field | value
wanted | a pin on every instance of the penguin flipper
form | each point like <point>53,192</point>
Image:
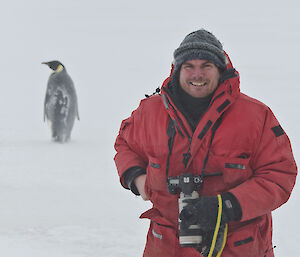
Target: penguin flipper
<point>45,115</point>
<point>77,115</point>
<point>77,111</point>
<point>48,95</point>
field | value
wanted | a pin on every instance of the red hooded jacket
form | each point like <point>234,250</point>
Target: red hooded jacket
<point>249,147</point>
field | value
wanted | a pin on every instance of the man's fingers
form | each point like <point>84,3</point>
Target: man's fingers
<point>140,185</point>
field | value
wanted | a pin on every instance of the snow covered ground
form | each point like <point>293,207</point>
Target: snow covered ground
<point>65,200</point>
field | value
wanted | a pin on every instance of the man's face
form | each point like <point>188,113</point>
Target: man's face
<point>199,78</point>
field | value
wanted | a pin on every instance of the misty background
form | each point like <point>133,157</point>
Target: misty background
<point>65,200</point>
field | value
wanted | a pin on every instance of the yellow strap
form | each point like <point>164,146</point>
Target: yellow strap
<point>224,241</point>
<point>213,243</point>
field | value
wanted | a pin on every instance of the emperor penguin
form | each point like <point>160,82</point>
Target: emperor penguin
<point>61,105</point>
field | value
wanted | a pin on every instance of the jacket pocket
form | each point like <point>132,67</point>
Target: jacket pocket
<point>161,238</point>
<point>156,174</point>
<point>236,171</point>
<point>246,242</point>
<point>233,171</point>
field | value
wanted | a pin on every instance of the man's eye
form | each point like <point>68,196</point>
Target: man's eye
<point>207,65</point>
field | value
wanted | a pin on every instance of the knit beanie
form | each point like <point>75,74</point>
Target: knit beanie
<point>200,44</point>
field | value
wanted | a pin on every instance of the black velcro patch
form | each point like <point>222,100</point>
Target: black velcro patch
<point>223,106</point>
<point>244,241</point>
<point>278,131</point>
<point>205,129</point>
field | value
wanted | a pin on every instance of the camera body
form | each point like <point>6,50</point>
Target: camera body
<point>187,185</point>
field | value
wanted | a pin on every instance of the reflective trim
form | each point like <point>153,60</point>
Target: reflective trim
<point>156,235</point>
<point>236,166</point>
<point>165,102</point>
<point>155,165</point>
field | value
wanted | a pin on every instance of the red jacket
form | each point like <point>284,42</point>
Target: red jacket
<point>249,147</point>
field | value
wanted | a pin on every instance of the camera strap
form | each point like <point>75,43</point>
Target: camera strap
<point>213,130</point>
<point>216,232</point>
<point>171,132</point>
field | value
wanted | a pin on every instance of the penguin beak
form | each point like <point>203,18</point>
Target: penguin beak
<point>47,63</point>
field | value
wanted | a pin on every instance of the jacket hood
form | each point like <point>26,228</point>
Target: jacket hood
<point>224,96</point>
<point>229,81</point>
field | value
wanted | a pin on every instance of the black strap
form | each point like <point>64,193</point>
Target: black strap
<point>244,241</point>
<point>171,132</point>
<point>205,129</point>
<point>213,129</point>
<point>223,106</point>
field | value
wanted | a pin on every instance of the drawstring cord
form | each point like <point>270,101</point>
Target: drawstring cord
<point>157,91</point>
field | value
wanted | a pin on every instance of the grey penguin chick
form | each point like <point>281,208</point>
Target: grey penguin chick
<point>61,104</point>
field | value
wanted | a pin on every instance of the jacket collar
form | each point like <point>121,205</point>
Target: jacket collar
<point>229,85</point>
<point>224,96</point>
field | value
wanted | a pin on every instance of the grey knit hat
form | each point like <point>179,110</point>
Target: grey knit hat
<point>200,44</point>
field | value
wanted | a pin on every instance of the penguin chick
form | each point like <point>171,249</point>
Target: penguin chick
<point>60,106</point>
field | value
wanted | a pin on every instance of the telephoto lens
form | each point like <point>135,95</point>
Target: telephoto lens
<point>189,236</point>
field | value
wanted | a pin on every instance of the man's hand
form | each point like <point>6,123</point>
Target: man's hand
<point>140,185</point>
<point>203,211</point>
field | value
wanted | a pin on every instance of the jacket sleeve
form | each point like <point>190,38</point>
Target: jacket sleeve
<point>128,146</point>
<point>274,172</point>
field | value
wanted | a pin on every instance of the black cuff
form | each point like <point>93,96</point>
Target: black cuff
<point>130,175</point>
<point>232,208</point>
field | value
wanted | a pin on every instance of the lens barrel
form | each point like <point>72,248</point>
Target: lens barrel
<point>189,236</point>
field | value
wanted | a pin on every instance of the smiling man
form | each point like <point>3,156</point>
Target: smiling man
<point>199,78</point>
<point>214,162</point>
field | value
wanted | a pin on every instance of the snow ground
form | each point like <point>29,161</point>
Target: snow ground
<point>65,200</point>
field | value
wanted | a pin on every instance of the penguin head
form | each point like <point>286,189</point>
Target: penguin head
<point>55,65</point>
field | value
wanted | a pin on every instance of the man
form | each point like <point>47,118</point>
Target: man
<point>214,162</point>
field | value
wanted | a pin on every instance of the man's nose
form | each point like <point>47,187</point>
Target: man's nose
<point>198,73</point>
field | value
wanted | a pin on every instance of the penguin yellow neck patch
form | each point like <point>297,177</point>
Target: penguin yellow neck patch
<point>59,68</point>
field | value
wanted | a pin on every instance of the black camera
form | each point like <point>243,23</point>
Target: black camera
<point>187,185</point>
